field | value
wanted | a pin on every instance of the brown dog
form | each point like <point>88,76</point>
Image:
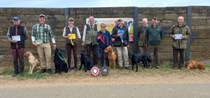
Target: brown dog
<point>193,64</point>
<point>112,56</point>
<point>32,61</point>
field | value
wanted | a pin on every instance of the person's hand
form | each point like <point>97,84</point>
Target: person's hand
<point>54,46</point>
<point>118,34</point>
<point>65,37</point>
<point>184,37</point>
<point>128,46</point>
<point>13,41</point>
<point>34,44</point>
<point>98,37</point>
<point>83,43</point>
<point>173,36</point>
<point>113,39</point>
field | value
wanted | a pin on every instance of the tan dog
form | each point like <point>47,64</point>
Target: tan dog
<point>193,64</point>
<point>112,56</point>
<point>32,61</point>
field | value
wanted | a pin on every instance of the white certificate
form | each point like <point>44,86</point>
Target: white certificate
<point>178,36</point>
<point>16,38</point>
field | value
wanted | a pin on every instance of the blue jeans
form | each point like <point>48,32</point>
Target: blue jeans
<point>103,57</point>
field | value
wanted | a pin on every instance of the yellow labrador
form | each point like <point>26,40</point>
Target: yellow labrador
<point>32,61</point>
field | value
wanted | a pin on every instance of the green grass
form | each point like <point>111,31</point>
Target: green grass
<point>163,70</point>
<point>35,75</point>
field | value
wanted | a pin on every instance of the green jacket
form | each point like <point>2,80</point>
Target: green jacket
<point>154,35</point>
<point>142,36</point>
<point>179,43</point>
<point>91,34</point>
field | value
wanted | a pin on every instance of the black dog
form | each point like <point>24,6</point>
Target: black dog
<point>60,64</point>
<point>86,61</point>
<point>138,58</point>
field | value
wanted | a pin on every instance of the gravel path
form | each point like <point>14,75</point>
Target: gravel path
<point>109,91</point>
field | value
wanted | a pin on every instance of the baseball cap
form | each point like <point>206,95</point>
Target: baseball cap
<point>71,19</point>
<point>42,15</point>
<point>155,18</point>
<point>16,18</point>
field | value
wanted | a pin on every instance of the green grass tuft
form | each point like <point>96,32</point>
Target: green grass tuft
<point>35,75</point>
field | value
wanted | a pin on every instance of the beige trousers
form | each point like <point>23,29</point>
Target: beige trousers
<point>122,54</point>
<point>44,51</point>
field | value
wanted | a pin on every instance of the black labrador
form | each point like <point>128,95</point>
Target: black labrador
<point>86,61</point>
<point>138,58</point>
<point>60,64</point>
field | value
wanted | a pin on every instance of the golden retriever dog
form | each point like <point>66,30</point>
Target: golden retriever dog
<point>193,64</point>
<point>33,61</point>
<point>112,56</point>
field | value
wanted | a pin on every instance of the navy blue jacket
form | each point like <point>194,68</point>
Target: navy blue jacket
<point>21,33</point>
<point>105,41</point>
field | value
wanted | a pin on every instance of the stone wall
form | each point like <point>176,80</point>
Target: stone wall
<point>56,17</point>
<point>167,17</point>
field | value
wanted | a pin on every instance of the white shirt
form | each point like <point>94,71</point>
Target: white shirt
<point>71,28</point>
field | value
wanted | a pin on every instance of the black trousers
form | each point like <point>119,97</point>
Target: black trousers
<point>18,60</point>
<point>178,61</point>
<point>69,49</point>
<point>92,49</point>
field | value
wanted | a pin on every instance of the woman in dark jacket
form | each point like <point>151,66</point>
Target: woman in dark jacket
<point>104,40</point>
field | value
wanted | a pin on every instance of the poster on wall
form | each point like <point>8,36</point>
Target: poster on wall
<point>110,24</point>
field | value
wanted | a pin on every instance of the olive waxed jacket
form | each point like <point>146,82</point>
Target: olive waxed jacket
<point>142,36</point>
<point>179,43</point>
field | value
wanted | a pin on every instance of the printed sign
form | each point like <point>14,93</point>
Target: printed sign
<point>111,23</point>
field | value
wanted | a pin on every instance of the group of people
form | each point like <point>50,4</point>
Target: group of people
<point>94,42</point>
<point>150,37</point>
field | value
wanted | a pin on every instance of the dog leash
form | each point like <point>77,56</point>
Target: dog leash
<point>60,56</point>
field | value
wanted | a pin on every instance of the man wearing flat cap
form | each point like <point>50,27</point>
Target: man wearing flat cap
<point>154,35</point>
<point>72,35</point>
<point>41,36</point>
<point>17,35</point>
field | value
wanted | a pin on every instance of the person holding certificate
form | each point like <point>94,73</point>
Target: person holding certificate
<point>17,35</point>
<point>41,36</point>
<point>121,36</point>
<point>72,35</point>
<point>179,34</point>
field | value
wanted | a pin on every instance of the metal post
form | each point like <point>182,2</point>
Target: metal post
<point>66,15</point>
<point>135,33</point>
<point>189,23</point>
